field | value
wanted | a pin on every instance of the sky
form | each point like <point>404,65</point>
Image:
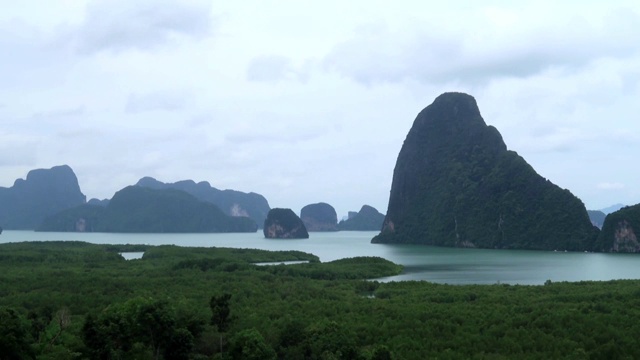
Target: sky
<point>310,101</point>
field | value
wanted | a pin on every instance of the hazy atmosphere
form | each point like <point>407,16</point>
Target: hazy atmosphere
<point>307,102</point>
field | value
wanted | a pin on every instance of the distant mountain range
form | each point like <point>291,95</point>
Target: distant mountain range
<point>597,217</point>
<point>48,192</point>
<point>499,202</point>
<point>138,209</point>
<point>231,202</point>
<point>612,208</point>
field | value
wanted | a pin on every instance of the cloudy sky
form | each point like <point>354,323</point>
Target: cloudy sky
<point>305,102</point>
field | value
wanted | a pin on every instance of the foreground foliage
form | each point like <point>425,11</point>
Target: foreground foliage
<point>73,300</point>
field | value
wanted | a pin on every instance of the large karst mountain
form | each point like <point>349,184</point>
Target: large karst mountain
<point>456,184</point>
<point>44,192</point>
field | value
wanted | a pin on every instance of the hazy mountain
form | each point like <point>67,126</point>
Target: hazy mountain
<point>44,192</point>
<point>319,217</point>
<point>367,219</point>
<point>456,184</point>
<point>612,208</point>
<point>138,209</point>
<point>232,202</point>
<point>596,217</point>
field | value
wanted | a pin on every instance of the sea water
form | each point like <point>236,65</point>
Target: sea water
<point>434,264</point>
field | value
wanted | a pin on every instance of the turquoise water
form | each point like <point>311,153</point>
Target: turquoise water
<point>441,265</point>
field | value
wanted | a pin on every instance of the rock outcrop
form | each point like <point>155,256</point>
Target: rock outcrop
<point>620,231</point>
<point>44,192</point>
<point>456,184</point>
<point>137,209</point>
<point>284,224</point>
<point>232,202</point>
<point>319,217</point>
<point>367,219</point>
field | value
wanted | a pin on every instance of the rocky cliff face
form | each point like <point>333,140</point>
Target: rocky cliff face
<point>620,231</point>
<point>456,184</point>
<point>284,224</point>
<point>232,202</point>
<point>319,217</point>
<point>367,219</point>
<point>44,192</point>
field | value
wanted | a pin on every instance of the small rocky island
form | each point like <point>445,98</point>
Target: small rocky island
<point>319,217</point>
<point>367,219</point>
<point>284,224</point>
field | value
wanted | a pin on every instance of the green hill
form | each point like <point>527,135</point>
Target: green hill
<point>620,231</point>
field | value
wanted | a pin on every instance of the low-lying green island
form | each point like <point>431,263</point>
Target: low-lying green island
<point>74,300</point>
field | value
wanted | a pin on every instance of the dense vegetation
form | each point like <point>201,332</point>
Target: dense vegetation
<point>456,184</point>
<point>620,231</point>
<point>367,219</point>
<point>139,209</point>
<point>73,300</point>
<point>44,192</point>
<point>232,202</point>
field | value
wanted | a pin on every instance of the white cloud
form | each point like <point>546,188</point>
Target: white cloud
<point>269,68</point>
<point>610,186</point>
<point>309,102</point>
<point>165,101</point>
<point>142,25</point>
<point>485,44</point>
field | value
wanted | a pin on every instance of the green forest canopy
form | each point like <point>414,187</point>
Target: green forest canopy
<point>70,300</point>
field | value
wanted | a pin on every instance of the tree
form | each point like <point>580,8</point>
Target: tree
<point>138,326</point>
<point>220,312</point>
<point>250,345</point>
<point>328,339</point>
<point>15,337</point>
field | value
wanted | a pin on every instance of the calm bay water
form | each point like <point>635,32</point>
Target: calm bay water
<point>434,264</point>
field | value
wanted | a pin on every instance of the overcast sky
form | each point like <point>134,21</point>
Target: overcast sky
<point>305,102</point>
